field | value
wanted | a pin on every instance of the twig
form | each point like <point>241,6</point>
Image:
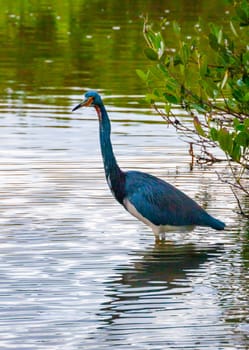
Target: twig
<point>238,202</point>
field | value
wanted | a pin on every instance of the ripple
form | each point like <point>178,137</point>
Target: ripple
<point>76,269</point>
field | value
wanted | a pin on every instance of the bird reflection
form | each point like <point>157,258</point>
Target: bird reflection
<point>155,276</point>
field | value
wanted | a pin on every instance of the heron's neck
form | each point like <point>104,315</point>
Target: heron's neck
<point>114,175</point>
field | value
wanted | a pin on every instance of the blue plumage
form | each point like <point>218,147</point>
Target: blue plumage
<point>150,199</point>
<point>163,204</point>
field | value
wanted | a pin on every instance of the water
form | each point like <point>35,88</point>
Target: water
<point>76,269</point>
<point>79,272</point>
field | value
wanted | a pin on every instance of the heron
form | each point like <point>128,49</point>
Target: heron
<point>155,202</point>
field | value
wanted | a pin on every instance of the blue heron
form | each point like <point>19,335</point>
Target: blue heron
<point>153,201</point>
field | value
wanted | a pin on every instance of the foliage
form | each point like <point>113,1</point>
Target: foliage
<point>207,76</point>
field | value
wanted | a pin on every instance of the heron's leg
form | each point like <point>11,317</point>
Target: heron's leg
<point>162,236</point>
<point>159,236</point>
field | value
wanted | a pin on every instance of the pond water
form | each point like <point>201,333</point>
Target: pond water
<point>77,271</point>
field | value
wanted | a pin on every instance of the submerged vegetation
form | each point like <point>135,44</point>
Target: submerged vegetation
<point>206,75</point>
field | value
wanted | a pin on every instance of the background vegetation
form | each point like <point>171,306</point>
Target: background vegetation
<point>97,44</point>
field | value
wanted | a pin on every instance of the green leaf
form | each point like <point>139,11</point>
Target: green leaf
<point>240,127</point>
<point>164,70</point>
<point>236,123</point>
<point>220,36</point>
<point>150,98</point>
<point>156,72</point>
<point>236,152</point>
<point>209,87</point>
<point>246,97</point>
<point>238,94</point>
<point>199,108</point>
<point>245,59</point>
<point>246,123</point>
<point>170,98</point>
<point>141,74</point>
<point>242,139</point>
<point>214,134</point>
<point>203,66</point>
<point>213,42</point>
<point>225,140</point>
<point>171,85</point>
<point>243,14</point>
<point>224,80</point>
<point>167,108</point>
<point>177,60</point>
<point>158,44</point>
<point>185,53</point>
<point>151,54</point>
<point>233,29</point>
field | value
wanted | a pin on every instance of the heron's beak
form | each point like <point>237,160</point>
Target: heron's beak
<point>85,103</point>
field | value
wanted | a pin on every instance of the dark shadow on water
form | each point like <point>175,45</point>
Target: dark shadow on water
<point>152,278</point>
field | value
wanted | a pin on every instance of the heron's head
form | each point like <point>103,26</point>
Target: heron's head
<point>91,99</point>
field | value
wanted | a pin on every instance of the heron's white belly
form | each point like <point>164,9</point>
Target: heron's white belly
<point>157,229</point>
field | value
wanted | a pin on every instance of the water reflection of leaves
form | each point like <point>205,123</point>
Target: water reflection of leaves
<point>156,275</point>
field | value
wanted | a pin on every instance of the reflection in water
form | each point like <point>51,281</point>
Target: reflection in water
<point>156,283</point>
<point>166,263</point>
<point>92,43</point>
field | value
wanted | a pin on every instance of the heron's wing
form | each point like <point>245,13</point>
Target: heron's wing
<point>160,202</point>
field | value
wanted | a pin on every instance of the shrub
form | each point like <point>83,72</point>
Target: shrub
<point>207,76</point>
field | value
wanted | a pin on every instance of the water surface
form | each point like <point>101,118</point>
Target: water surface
<point>77,271</point>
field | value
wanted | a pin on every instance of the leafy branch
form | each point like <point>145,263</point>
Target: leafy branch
<point>207,77</point>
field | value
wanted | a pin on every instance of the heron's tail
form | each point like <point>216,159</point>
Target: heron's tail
<point>208,220</point>
<point>217,224</point>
